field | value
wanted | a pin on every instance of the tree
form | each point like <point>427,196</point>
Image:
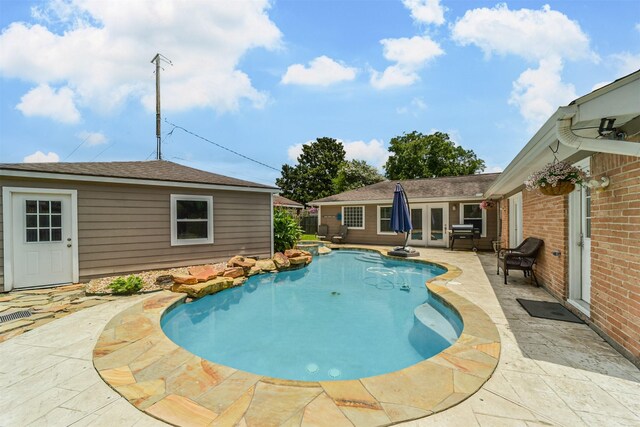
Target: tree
<point>355,174</point>
<point>312,177</point>
<point>427,156</point>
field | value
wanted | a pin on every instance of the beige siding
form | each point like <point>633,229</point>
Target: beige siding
<point>370,234</point>
<point>126,228</point>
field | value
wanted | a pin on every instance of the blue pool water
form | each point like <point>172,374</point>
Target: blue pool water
<point>349,314</point>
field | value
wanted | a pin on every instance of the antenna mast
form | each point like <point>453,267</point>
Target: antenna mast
<point>157,59</point>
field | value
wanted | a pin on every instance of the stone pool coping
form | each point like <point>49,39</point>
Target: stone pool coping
<point>136,358</point>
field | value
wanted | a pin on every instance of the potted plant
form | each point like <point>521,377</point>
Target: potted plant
<point>486,204</point>
<point>556,179</point>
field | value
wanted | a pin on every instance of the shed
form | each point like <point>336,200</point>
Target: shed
<point>68,222</point>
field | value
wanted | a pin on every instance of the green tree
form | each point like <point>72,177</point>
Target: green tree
<point>312,177</point>
<point>427,156</point>
<point>354,174</point>
<point>286,231</point>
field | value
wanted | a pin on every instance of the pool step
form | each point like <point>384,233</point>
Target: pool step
<point>426,314</point>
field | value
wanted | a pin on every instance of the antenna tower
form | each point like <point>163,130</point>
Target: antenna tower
<point>157,60</point>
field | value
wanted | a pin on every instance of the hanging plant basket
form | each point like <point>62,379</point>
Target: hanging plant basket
<point>561,188</point>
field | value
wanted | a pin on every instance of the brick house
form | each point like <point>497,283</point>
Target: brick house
<point>591,255</point>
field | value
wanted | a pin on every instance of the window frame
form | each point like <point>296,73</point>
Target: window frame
<point>174,220</point>
<point>380,232</point>
<point>363,217</point>
<point>483,232</point>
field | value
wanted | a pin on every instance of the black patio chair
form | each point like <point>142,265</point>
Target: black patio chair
<point>323,231</point>
<point>339,238</point>
<point>523,257</point>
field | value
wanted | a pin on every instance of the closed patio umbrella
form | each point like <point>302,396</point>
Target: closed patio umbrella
<point>401,219</point>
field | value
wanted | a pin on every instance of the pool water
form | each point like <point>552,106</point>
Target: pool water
<point>348,315</point>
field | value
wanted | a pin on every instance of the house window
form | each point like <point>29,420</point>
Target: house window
<point>43,221</point>
<point>191,219</point>
<point>384,220</point>
<point>470,213</point>
<point>353,217</point>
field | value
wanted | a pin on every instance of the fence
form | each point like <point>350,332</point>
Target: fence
<point>309,224</point>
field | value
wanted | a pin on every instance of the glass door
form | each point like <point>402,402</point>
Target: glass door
<point>418,234</point>
<point>438,215</point>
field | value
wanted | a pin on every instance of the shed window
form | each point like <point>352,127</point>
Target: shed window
<point>471,213</point>
<point>191,219</point>
<point>353,217</point>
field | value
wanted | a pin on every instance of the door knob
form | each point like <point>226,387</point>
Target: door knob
<point>68,245</point>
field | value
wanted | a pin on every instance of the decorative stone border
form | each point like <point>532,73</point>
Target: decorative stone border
<point>135,357</point>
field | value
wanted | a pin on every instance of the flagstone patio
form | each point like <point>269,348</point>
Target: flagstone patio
<point>549,372</point>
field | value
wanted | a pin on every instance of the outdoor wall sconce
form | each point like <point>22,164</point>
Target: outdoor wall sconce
<point>598,184</point>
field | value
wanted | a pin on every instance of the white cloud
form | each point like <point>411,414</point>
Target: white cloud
<point>410,55</point>
<point>294,151</point>
<point>416,105</point>
<point>493,169</point>
<point>92,138</point>
<point>426,11</point>
<point>530,34</point>
<point>538,92</point>
<point>43,101</point>
<point>322,71</point>
<point>546,37</point>
<point>627,63</point>
<point>103,52</point>
<point>40,157</point>
<point>373,152</point>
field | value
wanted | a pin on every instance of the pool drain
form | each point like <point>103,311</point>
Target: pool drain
<point>312,368</point>
<point>334,373</point>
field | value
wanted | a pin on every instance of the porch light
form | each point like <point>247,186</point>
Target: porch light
<point>598,184</point>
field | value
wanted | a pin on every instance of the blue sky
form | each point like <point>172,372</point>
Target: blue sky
<point>262,78</point>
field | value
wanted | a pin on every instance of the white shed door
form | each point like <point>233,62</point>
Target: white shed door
<point>42,245</point>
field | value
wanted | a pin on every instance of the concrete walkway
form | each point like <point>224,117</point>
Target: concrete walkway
<point>550,372</point>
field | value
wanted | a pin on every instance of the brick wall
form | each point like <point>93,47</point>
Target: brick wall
<point>615,251</point>
<point>546,217</point>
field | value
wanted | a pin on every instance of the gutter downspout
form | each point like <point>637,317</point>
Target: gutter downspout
<point>566,137</point>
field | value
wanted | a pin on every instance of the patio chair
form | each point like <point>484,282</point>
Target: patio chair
<point>323,231</point>
<point>523,257</point>
<point>339,238</point>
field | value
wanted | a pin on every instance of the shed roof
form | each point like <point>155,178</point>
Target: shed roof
<point>449,187</point>
<point>279,200</point>
<point>155,170</point>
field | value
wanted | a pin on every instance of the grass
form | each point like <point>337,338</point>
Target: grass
<point>309,237</point>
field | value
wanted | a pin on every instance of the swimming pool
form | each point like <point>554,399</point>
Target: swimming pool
<point>349,314</point>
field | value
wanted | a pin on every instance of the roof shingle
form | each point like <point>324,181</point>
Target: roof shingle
<point>428,188</point>
<point>157,170</point>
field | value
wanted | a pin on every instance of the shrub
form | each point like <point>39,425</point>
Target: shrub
<point>286,231</point>
<point>128,286</point>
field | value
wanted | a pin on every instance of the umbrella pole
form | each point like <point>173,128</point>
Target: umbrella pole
<point>406,239</point>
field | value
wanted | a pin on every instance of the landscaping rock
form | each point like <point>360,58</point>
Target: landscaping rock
<point>323,250</point>
<point>205,272</point>
<point>184,279</point>
<point>299,260</point>
<point>266,265</point>
<point>293,253</point>
<point>164,280</point>
<point>253,271</point>
<point>239,281</point>
<point>199,290</point>
<point>233,272</point>
<point>281,260</point>
<point>240,261</point>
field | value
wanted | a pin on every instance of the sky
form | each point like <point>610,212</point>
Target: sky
<point>261,78</point>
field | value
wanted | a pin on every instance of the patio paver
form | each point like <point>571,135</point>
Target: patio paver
<point>549,373</point>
